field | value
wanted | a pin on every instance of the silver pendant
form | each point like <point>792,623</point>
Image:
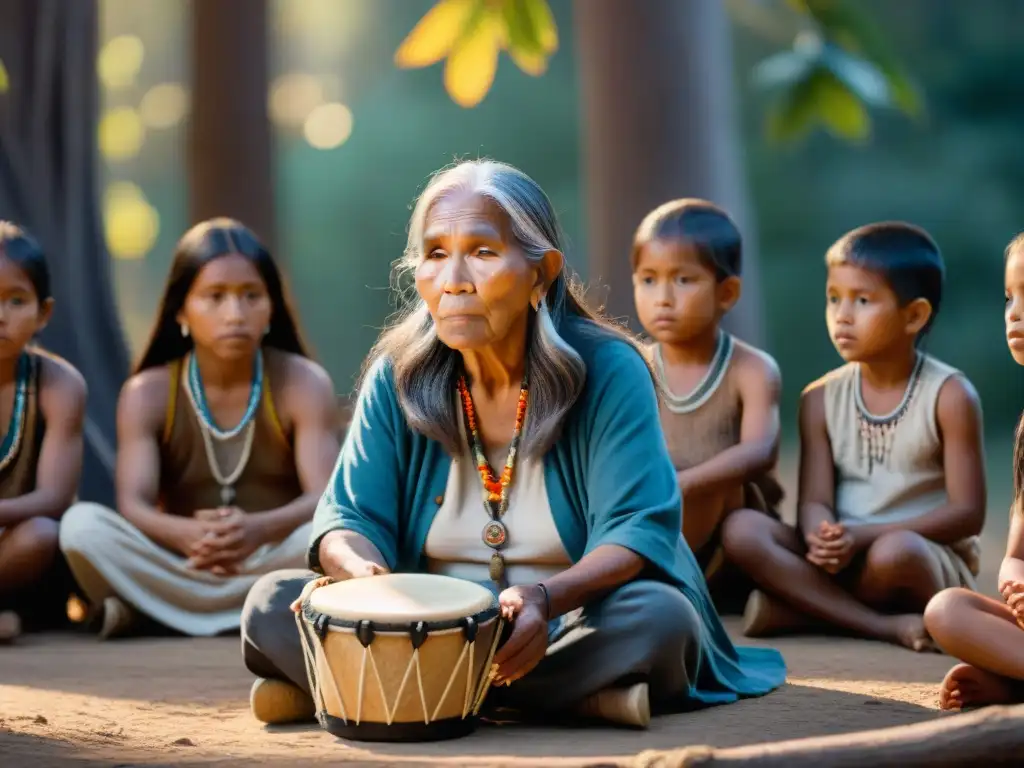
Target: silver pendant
<point>227,495</point>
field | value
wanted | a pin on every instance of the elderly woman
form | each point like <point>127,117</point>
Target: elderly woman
<point>500,364</point>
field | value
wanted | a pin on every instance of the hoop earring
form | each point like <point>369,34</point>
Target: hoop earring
<point>184,330</point>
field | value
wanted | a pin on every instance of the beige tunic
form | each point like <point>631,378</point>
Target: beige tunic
<point>455,546</point>
<point>911,481</point>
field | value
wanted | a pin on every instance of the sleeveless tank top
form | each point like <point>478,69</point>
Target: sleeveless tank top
<point>710,428</point>
<point>910,481</point>
<point>19,477</point>
<point>269,479</point>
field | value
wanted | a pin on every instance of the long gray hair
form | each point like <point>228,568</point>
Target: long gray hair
<point>426,370</point>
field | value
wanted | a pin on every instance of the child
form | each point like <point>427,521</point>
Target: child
<point>987,633</point>
<point>42,408</point>
<point>892,484</point>
<point>723,433</point>
<point>204,509</point>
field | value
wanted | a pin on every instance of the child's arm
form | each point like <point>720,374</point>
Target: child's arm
<point>1012,569</point>
<point>959,417</point>
<point>62,405</point>
<point>759,385</point>
<point>817,470</point>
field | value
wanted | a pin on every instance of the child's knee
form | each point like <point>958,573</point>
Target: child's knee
<point>37,536</point>
<point>946,611</point>
<point>900,555</point>
<point>745,534</point>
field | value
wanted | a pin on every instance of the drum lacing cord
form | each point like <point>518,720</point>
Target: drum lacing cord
<point>474,697</point>
<point>309,657</point>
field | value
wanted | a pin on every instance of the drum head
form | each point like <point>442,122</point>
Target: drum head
<point>401,597</point>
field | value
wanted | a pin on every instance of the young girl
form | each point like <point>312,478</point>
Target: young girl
<point>226,439</point>
<point>723,433</point>
<point>988,634</point>
<point>42,404</point>
<point>892,482</point>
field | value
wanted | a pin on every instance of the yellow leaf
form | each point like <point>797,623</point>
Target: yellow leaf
<point>434,35</point>
<point>471,65</point>
<point>535,64</point>
<point>5,82</point>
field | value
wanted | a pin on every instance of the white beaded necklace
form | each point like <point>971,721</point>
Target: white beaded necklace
<point>226,481</point>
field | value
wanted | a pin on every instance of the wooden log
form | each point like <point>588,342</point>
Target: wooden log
<point>989,737</point>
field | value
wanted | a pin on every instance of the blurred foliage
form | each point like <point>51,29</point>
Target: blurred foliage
<point>471,34</point>
<point>838,68</point>
<point>5,82</point>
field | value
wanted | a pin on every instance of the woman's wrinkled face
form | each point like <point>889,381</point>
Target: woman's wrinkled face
<point>475,279</point>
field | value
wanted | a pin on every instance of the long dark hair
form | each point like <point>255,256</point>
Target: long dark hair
<point>197,248</point>
<point>21,249</point>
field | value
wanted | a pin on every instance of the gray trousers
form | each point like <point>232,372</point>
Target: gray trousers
<point>643,630</point>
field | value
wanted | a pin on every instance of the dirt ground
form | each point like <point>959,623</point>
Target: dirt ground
<point>67,700</point>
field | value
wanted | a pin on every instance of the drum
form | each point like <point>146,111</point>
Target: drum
<point>399,657</point>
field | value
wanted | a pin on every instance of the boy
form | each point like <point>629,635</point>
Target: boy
<point>892,482</point>
<point>723,434</point>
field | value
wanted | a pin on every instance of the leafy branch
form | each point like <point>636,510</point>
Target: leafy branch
<point>836,70</point>
<point>471,34</point>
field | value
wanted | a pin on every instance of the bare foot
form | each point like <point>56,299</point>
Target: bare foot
<point>967,686</point>
<point>765,616</point>
<point>908,630</point>
<point>10,626</point>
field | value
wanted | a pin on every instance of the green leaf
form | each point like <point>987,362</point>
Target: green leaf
<point>840,109</point>
<point>849,27</point>
<point>544,24</point>
<point>793,115</point>
<point>784,68</point>
<point>861,77</point>
<point>522,34</point>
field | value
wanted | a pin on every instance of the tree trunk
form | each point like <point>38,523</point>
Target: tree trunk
<point>659,122</point>
<point>230,144</point>
<point>48,181</point>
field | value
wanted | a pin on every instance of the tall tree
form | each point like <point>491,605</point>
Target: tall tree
<point>48,179</point>
<point>659,122</point>
<point>230,142</point>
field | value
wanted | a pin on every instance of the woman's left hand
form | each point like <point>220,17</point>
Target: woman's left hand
<point>524,608</point>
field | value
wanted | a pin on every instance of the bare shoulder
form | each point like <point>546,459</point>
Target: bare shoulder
<point>299,382</point>
<point>812,401</point>
<point>59,375</point>
<point>753,364</point>
<point>145,396</point>
<point>958,399</point>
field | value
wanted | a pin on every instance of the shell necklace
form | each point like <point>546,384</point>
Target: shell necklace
<point>210,431</point>
<point>878,432</point>
<point>496,489</point>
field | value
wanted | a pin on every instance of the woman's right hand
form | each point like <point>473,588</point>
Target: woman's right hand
<point>347,555</point>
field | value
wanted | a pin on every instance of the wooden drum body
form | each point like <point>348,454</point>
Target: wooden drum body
<point>399,657</point>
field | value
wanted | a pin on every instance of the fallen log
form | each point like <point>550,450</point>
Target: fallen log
<point>993,736</point>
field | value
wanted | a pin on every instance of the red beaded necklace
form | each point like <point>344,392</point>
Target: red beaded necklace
<point>496,488</point>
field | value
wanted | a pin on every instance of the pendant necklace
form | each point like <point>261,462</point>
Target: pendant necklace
<point>496,488</point>
<point>210,431</point>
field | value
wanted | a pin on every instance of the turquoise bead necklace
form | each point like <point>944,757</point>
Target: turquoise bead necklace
<point>16,426</point>
<point>210,431</point>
